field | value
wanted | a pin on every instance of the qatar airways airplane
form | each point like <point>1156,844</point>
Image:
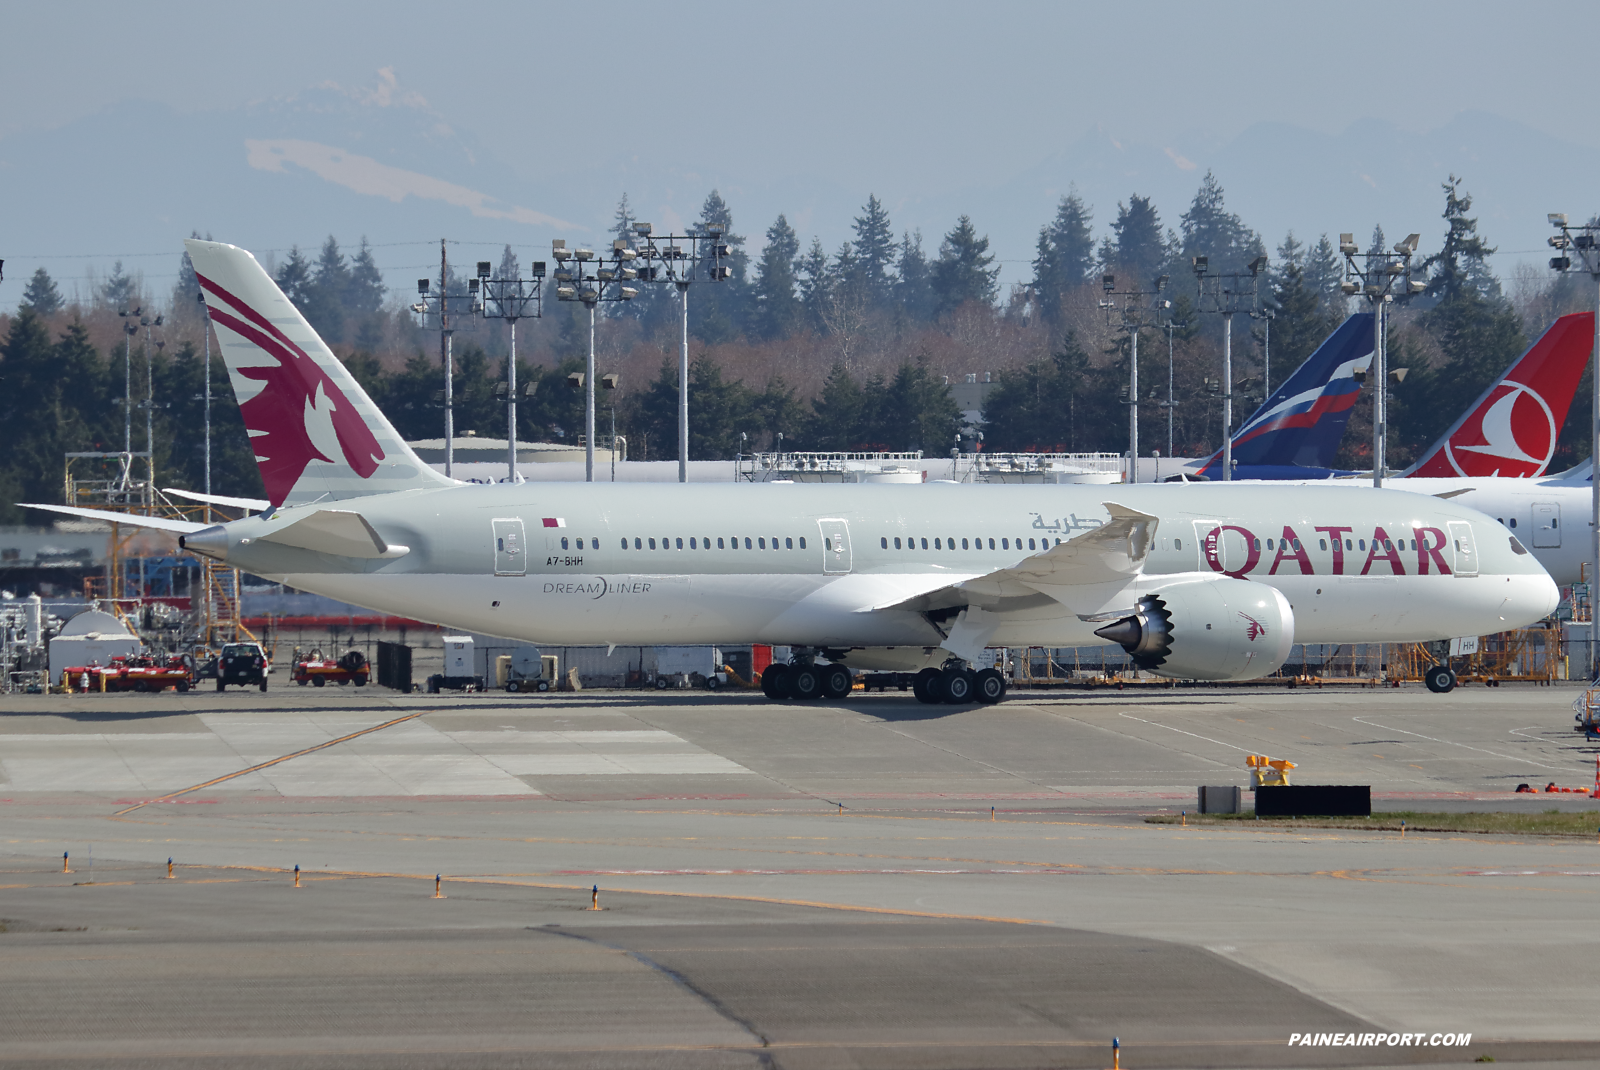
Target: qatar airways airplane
<point>1196,582</point>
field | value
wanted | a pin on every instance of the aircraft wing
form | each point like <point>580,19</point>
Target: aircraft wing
<point>161,523</point>
<point>1111,553</point>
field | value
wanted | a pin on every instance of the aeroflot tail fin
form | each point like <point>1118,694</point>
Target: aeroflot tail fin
<point>316,434</point>
<point>1512,428</point>
<point>1304,419</point>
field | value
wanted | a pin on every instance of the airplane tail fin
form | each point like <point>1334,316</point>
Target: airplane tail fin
<point>1304,419</point>
<point>316,434</point>
<point>1511,430</point>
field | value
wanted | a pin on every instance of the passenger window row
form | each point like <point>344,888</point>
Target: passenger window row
<point>594,544</point>
<point>976,544</point>
<point>1359,544</point>
<point>697,543</point>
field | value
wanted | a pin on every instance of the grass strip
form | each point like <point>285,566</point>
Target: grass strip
<point>1547,823</point>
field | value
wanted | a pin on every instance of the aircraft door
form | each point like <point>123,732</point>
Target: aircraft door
<point>835,545</point>
<point>1464,547</point>
<point>510,548</point>
<point>1220,550</point>
<point>1546,524</point>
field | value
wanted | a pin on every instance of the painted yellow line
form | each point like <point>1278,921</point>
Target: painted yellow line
<point>274,761</point>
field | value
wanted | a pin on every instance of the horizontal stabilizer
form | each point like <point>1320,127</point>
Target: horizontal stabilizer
<point>160,523</point>
<point>343,532</point>
<point>256,505</point>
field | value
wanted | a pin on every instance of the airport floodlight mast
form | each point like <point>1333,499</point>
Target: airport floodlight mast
<point>1227,294</point>
<point>581,275</point>
<point>1375,278</point>
<point>1585,241</point>
<point>1134,314</point>
<point>439,304</point>
<point>149,402</point>
<point>681,259</point>
<point>1171,404</point>
<point>509,300</point>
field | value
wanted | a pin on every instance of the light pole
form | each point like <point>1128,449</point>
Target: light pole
<point>1585,240</point>
<point>439,303</point>
<point>205,331</point>
<point>150,400</point>
<point>1134,315</point>
<point>582,276</point>
<point>1229,295</point>
<point>680,258</point>
<point>129,329</point>
<point>1374,280</point>
<point>1171,403</point>
<point>510,300</point>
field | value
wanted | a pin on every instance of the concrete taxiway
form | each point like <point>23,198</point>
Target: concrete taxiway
<point>791,885</point>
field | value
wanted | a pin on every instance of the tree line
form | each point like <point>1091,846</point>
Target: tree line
<point>848,350</point>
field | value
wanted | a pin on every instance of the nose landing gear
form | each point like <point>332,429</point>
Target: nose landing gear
<point>1439,679</point>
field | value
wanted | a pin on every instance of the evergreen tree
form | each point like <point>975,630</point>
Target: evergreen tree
<point>294,279</point>
<point>874,254</point>
<point>56,399</point>
<point>120,292</point>
<point>914,284</point>
<point>1210,230</point>
<point>622,221</point>
<point>915,411</point>
<point>1138,250</point>
<point>721,410</point>
<point>1301,321</point>
<point>721,305</point>
<point>1065,256</point>
<point>775,308</point>
<point>1036,408</point>
<point>323,300</point>
<point>836,420</point>
<point>963,272</point>
<point>364,289</point>
<point>1324,271</point>
<point>1462,263</point>
<point>816,284</point>
<point>41,296</point>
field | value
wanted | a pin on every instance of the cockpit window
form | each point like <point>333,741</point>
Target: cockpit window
<point>1516,547</point>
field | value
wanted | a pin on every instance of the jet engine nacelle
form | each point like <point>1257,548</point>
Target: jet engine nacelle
<point>1207,628</point>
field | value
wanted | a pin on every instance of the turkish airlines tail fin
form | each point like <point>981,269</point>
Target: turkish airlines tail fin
<point>1512,428</point>
<point>316,434</point>
<point>1304,419</point>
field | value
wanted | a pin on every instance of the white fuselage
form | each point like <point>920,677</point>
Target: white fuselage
<point>813,564</point>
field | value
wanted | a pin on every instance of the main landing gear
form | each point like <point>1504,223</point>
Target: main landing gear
<point>957,684</point>
<point>804,680</point>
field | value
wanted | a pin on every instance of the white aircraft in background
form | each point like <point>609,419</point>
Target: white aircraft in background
<point>1210,582</point>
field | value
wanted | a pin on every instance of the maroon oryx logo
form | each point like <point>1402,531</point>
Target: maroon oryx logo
<point>1254,629</point>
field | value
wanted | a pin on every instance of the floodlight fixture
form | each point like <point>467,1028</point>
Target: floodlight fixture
<point>628,293</point>
<point>1108,283</point>
<point>565,293</point>
<point>1560,263</point>
<point>609,381</point>
<point>1347,245</point>
<point>1559,241</point>
<point>1257,264</point>
<point>538,269</point>
<point>715,229</point>
<point>422,286</point>
<point>1348,288</point>
<point>1201,264</point>
<point>1409,245</point>
<point>575,380</point>
<point>1161,284</point>
<point>583,254</point>
<point>642,228</point>
<point>485,269</point>
<point>1399,374</point>
<point>1416,286</point>
<point>1557,219</point>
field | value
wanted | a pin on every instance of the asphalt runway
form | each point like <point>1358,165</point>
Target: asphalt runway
<point>782,885</point>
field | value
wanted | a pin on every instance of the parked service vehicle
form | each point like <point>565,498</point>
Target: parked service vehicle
<point>242,664</point>
<point>350,668</point>
<point>693,666</point>
<point>133,672</point>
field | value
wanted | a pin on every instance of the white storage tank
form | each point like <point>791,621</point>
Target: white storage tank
<point>91,638</point>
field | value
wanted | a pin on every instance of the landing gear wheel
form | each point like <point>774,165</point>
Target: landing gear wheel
<point>958,686</point>
<point>991,686</point>
<point>775,682</point>
<point>928,686</point>
<point>837,681</point>
<point>805,682</point>
<point>1440,679</point>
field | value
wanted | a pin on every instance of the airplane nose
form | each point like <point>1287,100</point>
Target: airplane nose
<point>1530,599</point>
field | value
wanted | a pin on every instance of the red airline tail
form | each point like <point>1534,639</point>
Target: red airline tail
<point>1513,427</point>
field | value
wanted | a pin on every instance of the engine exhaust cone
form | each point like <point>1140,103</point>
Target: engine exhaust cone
<point>1125,632</point>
